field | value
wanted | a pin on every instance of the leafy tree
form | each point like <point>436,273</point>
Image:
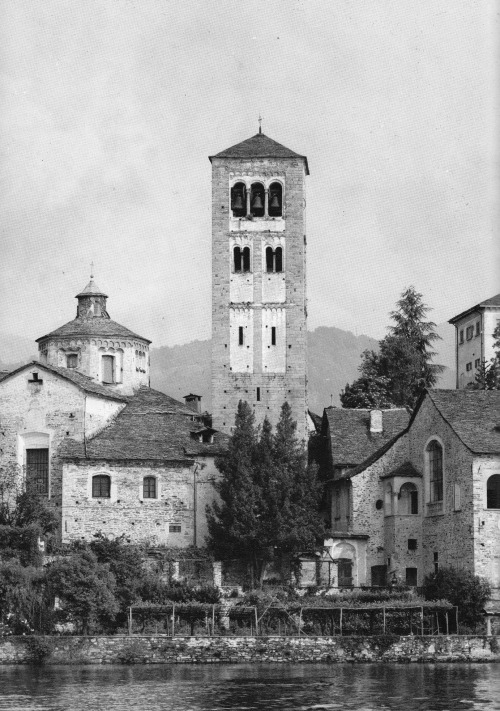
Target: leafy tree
<point>21,596</point>
<point>462,588</point>
<point>86,589</point>
<point>268,494</point>
<point>397,374</point>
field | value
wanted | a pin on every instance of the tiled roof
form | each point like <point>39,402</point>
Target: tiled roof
<point>474,415</point>
<point>259,146</point>
<point>91,289</point>
<point>153,426</point>
<point>82,381</point>
<point>102,327</point>
<point>487,303</point>
<point>352,442</point>
<point>406,469</point>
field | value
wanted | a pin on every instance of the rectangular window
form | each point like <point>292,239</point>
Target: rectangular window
<point>149,487</point>
<point>273,335</point>
<point>101,487</point>
<point>71,360</point>
<point>240,335</point>
<point>412,544</point>
<point>379,576</point>
<point>258,394</point>
<point>108,369</point>
<point>174,528</point>
<point>436,563</point>
<point>468,367</point>
<point>414,502</point>
<point>478,328</point>
<point>461,336</point>
<point>477,363</point>
<point>411,577</point>
<point>37,469</point>
<point>435,471</point>
<point>469,332</point>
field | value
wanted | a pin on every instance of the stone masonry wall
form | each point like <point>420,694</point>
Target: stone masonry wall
<point>54,408</point>
<point>127,513</point>
<point>233,650</point>
<point>486,525</point>
<point>228,387</point>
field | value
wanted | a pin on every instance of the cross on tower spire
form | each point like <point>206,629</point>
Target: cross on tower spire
<point>260,123</point>
<point>92,270</point>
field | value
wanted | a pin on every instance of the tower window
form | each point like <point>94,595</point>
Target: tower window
<point>108,369</point>
<point>273,335</point>
<point>239,200</point>
<point>257,200</point>
<point>241,337</point>
<point>269,259</point>
<point>37,469</point>
<point>274,259</point>
<point>435,460</point>
<point>237,259</point>
<point>275,200</point>
<point>493,492</point>
<point>258,394</point>
<point>71,360</point>
<point>246,259</point>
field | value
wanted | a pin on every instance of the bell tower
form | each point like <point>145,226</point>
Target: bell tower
<point>259,331</point>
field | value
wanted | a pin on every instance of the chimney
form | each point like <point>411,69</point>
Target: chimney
<point>193,401</point>
<point>376,426</point>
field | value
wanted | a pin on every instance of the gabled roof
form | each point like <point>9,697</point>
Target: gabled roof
<point>474,416</point>
<point>259,146</point>
<point>153,426</point>
<point>351,441</point>
<point>103,327</point>
<point>494,302</point>
<point>406,469</point>
<point>82,381</point>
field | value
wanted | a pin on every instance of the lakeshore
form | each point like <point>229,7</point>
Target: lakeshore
<point>158,649</point>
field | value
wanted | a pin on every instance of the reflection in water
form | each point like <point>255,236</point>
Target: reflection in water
<point>247,687</point>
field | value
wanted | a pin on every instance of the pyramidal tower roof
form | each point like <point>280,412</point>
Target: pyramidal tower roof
<point>259,146</point>
<point>91,290</point>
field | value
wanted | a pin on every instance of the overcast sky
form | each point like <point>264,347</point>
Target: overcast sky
<point>110,109</point>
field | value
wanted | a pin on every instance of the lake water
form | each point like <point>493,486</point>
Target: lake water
<point>246,687</point>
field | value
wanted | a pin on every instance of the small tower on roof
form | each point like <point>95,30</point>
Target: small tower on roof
<point>98,347</point>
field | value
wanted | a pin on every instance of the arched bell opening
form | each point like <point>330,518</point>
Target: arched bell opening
<point>237,260</point>
<point>239,200</point>
<point>278,259</point>
<point>246,259</point>
<point>269,260</point>
<point>275,200</point>
<point>257,200</point>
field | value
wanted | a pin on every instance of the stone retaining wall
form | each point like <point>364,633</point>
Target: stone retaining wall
<point>182,650</point>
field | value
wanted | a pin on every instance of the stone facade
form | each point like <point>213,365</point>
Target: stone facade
<point>412,531</point>
<point>259,315</point>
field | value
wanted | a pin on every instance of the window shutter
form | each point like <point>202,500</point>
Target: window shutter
<point>457,503</point>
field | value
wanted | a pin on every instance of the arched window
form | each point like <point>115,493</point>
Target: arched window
<point>435,460</point>
<point>269,259</point>
<point>101,486</point>
<point>246,259</point>
<point>275,200</point>
<point>257,200</point>
<point>278,260</point>
<point>237,259</point>
<point>493,492</point>
<point>239,200</point>
<point>108,369</point>
<point>149,487</point>
<point>408,499</point>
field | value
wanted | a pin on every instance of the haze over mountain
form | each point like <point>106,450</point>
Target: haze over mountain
<point>333,360</point>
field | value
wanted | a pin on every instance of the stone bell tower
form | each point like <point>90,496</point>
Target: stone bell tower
<point>259,333</point>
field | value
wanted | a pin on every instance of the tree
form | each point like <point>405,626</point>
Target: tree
<point>268,495</point>
<point>462,588</point>
<point>403,367</point>
<point>86,589</point>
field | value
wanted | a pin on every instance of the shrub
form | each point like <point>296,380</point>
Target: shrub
<point>467,591</point>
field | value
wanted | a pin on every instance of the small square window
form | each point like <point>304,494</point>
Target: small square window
<point>71,360</point>
<point>174,528</point>
<point>412,544</point>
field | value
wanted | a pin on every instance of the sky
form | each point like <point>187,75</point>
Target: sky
<point>110,109</point>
